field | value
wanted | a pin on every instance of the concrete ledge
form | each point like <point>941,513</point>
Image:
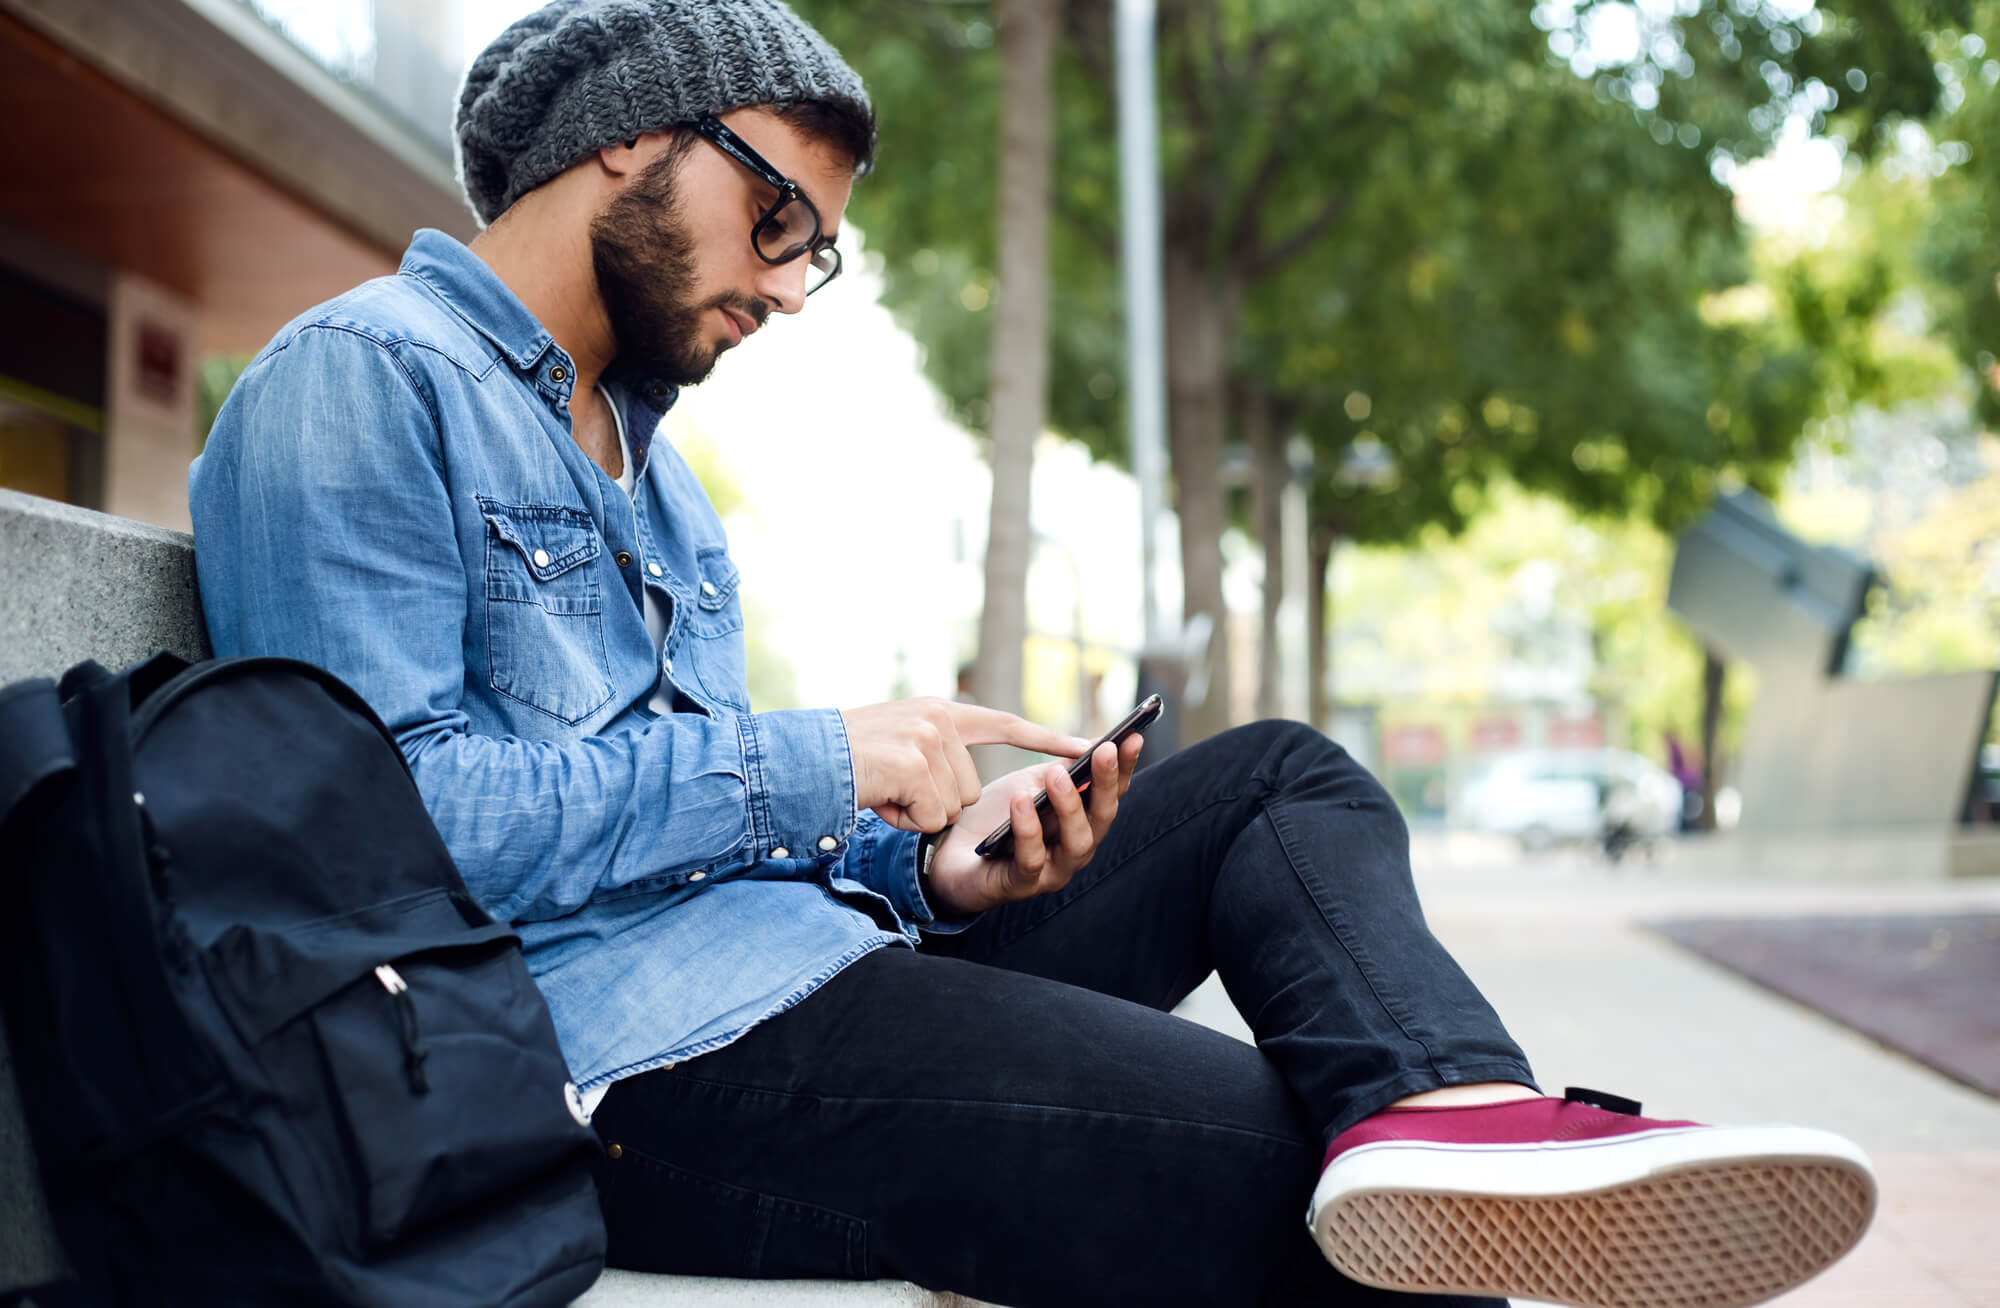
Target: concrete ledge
<point>85,585</point>
<point>636,1290</point>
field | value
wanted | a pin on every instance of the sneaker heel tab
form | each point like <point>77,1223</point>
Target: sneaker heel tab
<point>1599,1099</point>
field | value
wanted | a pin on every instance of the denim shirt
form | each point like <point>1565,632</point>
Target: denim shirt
<point>393,492</point>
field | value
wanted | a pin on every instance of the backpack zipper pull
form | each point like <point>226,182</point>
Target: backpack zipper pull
<point>414,1053</point>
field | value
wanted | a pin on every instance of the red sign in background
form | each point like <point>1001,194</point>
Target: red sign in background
<point>1413,744</point>
<point>1575,733</point>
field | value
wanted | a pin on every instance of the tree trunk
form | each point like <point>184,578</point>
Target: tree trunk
<point>1267,481</point>
<point>1018,382</point>
<point>1201,318</point>
<point>1319,638</point>
<point>1712,676</point>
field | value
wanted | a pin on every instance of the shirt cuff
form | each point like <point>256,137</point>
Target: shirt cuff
<point>884,859</point>
<point>801,781</point>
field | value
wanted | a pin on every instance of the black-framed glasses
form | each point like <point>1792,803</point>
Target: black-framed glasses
<point>790,227</point>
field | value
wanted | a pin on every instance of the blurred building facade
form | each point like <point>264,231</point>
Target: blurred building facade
<point>184,177</point>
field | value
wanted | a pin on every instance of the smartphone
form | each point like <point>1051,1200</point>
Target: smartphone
<point>1001,842</point>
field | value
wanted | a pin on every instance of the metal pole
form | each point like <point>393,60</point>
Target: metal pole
<point>1139,193</point>
<point>1294,681</point>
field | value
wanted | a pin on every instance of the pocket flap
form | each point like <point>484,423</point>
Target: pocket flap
<point>718,577</point>
<point>551,541</point>
<point>264,978</point>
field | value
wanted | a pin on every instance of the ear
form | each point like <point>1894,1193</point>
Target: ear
<point>620,158</point>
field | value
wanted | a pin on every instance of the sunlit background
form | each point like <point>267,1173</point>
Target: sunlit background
<point>851,491</point>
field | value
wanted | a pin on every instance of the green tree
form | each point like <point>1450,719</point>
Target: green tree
<point>1494,223</point>
<point>1960,248</point>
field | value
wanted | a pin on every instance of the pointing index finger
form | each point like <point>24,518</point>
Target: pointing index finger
<point>979,725</point>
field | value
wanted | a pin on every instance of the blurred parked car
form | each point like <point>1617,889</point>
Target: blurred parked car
<point>1544,796</point>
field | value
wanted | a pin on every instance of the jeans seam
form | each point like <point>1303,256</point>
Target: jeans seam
<point>1014,1105</point>
<point>768,1206</point>
<point>1330,914</point>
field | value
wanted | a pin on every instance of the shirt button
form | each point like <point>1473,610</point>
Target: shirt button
<point>828,843</point>
<point>624,559</point>
<point>697,876</point>
<point>670,666</point>
<point>781,852</point>
<point>708,588</point>
<point>615,1151</point>
<point>654,568</point>
<point>541,558</point>
<point>558,373</point>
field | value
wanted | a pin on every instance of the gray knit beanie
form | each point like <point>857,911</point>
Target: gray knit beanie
<point>578,75</point>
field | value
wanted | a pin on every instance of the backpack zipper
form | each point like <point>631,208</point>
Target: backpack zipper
<point>414,1053</point>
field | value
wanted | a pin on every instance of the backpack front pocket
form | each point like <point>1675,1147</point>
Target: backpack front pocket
<point>413,1055</point>
<point>449,1099</point>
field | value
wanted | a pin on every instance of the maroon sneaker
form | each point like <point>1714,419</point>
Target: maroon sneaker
<point>1582,1201</point>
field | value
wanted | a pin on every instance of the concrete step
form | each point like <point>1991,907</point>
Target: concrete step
<point>618,1289</point>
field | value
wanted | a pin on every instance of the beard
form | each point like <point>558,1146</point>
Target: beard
<point>644,260</point>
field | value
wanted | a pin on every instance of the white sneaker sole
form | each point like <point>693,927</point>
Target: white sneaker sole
<point>1707,1217</point>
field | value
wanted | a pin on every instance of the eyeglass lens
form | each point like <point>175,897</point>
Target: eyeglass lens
<point>788,231</point>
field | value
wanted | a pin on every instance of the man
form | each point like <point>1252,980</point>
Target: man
<point>821,1037</point>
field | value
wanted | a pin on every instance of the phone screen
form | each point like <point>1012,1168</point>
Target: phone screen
<point>1001,842</point>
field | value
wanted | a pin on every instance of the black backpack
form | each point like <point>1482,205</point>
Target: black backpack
<point>270,1051</point>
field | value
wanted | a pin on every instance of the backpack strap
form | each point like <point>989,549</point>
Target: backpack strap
<point>34,747</point>
<point>181,1067</point>
<point>34,740</point>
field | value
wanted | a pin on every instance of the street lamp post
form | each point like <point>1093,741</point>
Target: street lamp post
<point>1145,335</point>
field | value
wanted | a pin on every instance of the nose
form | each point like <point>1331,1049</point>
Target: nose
<point>784,284</point>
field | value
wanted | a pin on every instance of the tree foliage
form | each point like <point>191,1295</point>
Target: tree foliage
<point>1445,239</point>
<point>1960,249</point>
<point>1473,218</point>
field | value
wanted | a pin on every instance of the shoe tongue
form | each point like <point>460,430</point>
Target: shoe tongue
<point>1610,1103</point>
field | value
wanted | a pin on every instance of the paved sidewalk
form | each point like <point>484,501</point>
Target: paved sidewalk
<point>1598,1001</point>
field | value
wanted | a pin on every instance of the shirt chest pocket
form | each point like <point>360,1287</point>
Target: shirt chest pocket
<point>715,629</point>
<point>544,612</point>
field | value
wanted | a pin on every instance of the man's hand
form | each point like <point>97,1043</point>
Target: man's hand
<point>911,763</point>
<point>962,882</point>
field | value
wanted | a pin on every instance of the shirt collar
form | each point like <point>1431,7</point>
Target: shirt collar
<point>470,287</point>
<point>475,293</point>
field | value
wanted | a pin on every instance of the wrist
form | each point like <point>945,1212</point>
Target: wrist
<point>935,894</point>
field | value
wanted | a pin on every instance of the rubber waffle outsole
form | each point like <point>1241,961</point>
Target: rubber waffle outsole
<point>1705,1236</point>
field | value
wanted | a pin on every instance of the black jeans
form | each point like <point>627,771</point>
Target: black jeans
<point>1010,1113</point>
